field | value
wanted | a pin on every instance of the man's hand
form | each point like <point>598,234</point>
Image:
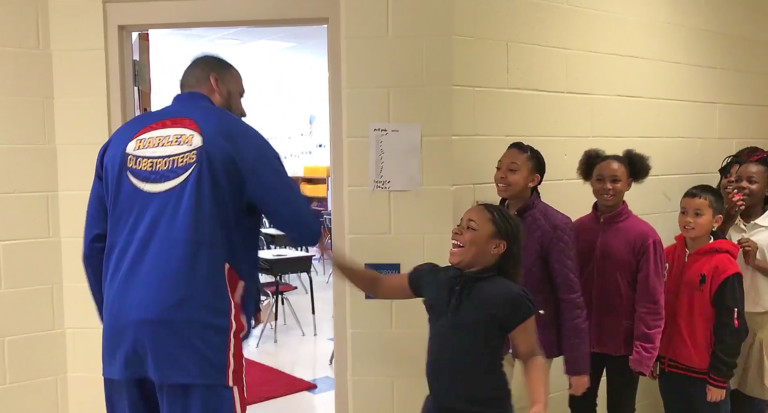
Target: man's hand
<point>715,395</point>
<point>239,301</point>
<point>578,385</point>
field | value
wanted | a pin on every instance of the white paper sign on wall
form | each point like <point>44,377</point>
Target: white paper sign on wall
<point>395,156</point>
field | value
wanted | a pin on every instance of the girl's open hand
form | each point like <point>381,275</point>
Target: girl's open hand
<point>715,395</point>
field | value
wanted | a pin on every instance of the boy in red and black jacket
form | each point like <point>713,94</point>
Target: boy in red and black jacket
<point>704,309</point>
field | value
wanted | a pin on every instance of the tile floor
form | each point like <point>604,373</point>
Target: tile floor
<point>303,356</point>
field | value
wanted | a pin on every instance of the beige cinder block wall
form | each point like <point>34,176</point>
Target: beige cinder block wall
<point>397,68</point>
<point>683,82</point>
<point>53,119</point>
<point>32,340</point>
<point>80,109</point>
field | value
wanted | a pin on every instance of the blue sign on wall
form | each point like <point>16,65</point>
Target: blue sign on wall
<point>386,269</point>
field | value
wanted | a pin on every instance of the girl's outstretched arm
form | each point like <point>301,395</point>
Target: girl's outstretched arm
<point>389,287</point>
<point>525,341</point>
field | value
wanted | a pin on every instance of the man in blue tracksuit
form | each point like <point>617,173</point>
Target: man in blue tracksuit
<point>169,228</point>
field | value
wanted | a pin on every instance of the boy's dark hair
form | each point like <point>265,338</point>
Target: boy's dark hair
<point>508,229</point>
<point>710,194</point>
<point>638,166</point>
<point>538,165</point>
<point>201,68</point>
<point>738,158</point>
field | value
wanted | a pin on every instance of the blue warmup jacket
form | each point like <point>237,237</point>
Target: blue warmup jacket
<point>173,218</point>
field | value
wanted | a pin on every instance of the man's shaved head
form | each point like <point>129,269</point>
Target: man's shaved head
<point>217,79</point>
<point>197,74</point>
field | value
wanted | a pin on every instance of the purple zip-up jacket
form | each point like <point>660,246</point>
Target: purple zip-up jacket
<point>621,260</point>
<point>550,274</point>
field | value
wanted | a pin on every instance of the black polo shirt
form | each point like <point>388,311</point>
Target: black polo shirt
<point>470,315</point>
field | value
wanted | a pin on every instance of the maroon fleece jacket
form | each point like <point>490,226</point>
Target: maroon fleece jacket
<point>621,263</point>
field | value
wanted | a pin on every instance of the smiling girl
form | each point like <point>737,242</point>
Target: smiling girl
<point>473,305</point>
<point>621,261</point>
<point>733,202</point>
<point>731,165</point>
<point>549,263</point>
<point>750,232</point>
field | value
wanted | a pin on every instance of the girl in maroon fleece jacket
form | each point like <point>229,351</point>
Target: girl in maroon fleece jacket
<point>621,260</point>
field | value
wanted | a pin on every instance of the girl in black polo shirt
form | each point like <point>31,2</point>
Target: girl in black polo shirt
<point>473,305</point>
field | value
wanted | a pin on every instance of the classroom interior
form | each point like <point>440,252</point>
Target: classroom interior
<point>685,82</point>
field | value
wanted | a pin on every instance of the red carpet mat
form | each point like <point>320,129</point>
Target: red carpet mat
<point>264,383</point>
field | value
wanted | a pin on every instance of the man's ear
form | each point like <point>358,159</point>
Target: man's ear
<point>215,82</point>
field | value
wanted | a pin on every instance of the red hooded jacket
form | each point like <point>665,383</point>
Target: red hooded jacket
<point>704,311</point>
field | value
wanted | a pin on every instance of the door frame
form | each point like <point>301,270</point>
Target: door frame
<point>123,18</point>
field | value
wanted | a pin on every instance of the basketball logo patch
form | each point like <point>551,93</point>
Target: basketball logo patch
<point>163,155</point>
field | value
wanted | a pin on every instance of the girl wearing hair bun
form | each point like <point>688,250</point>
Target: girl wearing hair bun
<point>621,268</point>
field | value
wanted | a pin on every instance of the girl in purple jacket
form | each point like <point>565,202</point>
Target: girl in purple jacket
<point>621,260</point>
<point>550,269</point>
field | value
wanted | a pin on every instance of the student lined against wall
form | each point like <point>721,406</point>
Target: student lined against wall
<point>550,270</point>
<point>750,232</point>
<point>704,309</point>
<point>622,277</point>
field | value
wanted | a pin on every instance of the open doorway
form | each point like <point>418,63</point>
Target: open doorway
<point>284,70</point>
<point>286,79</point>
